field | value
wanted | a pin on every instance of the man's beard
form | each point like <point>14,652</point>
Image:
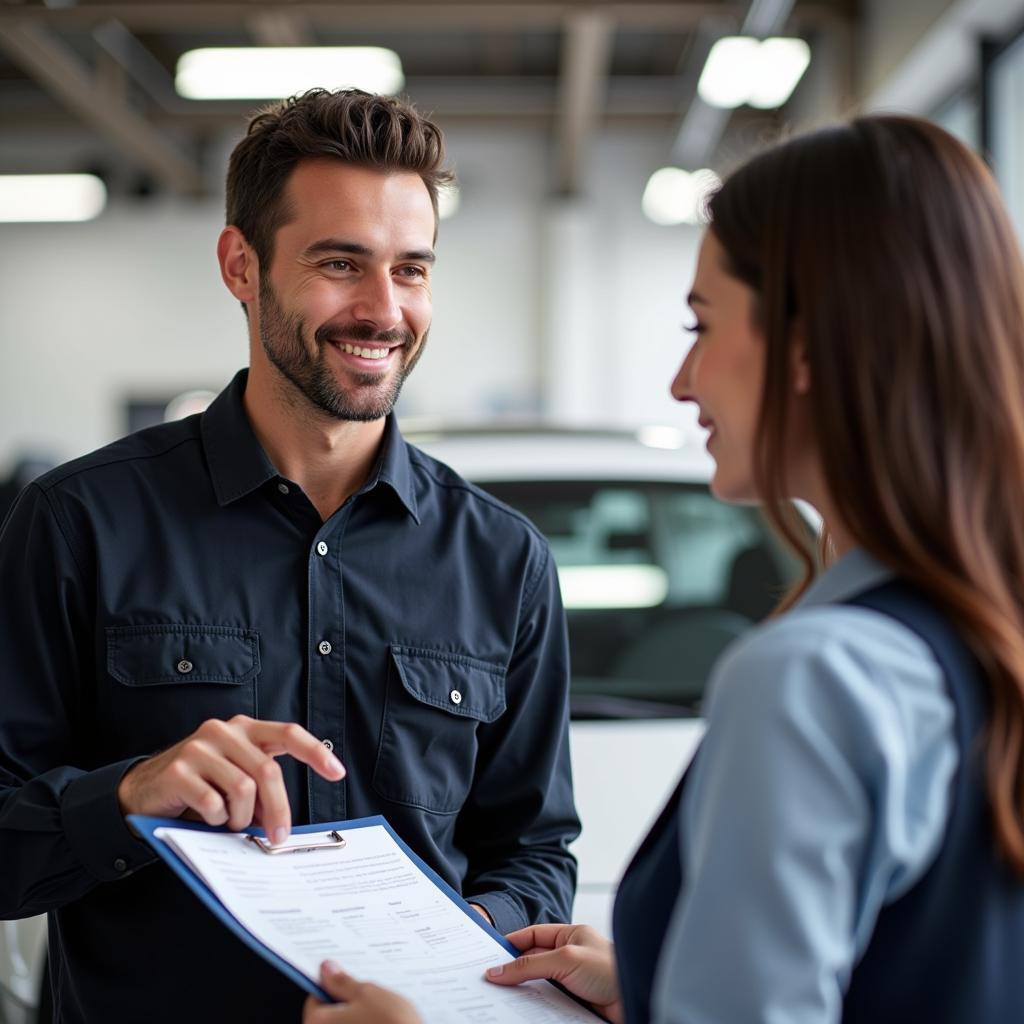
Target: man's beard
<point>371,397</point>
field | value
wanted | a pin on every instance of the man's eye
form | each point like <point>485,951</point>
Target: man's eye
<point>695,328</point>
<point>412,271</point>
<point>338,265</point>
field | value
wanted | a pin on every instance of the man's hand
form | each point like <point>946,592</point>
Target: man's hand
<point>483,913</point>
<point>574,955</point>
<point>362,1003</point>
<point>225,773</point>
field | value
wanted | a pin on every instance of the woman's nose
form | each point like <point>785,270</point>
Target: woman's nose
<point>680,387</point>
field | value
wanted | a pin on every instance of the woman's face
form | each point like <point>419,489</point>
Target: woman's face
<point>724,372</point>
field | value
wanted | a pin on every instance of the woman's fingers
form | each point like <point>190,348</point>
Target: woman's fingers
<point>587,971</point>
<point>359,1002</point>
<point>549,964</point>
<point>544,936</point>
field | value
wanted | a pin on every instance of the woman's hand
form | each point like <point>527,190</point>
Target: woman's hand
<point>363,1003</point>
<point>575,956</point>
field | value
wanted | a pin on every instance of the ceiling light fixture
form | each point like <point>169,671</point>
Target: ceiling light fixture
<point>761,72</point>
<point>273,72</point>
<point>50,197</point>
<point>675,196</point>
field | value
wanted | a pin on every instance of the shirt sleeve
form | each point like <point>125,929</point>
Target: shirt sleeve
<point>820,792</point>
<point>519,819</point>
<point>61,830</point>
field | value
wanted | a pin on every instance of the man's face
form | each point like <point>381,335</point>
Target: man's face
<point>344,307</point>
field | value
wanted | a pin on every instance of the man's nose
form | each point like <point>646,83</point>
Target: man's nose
<point>376,302</point>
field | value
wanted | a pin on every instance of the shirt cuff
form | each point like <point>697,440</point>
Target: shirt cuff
<point>95,828</point>
<point>505,910</point>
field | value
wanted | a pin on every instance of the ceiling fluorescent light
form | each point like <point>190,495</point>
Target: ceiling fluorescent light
<point>50,197</point>
<point>675,196</point>
<point>273,72</point>
<point>727,75</point>
<point>763,73</point>
<point>781,64</point>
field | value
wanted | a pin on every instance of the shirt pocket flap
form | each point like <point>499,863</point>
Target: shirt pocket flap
<point>162,654</point>
<point>454,683</point>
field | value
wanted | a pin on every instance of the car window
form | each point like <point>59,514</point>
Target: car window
<point>657,579</point>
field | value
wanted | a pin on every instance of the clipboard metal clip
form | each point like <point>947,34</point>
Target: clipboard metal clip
<point>334,841</point>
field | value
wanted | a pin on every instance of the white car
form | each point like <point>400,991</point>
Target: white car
<point>657,578</point>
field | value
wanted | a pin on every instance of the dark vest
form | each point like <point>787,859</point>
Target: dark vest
<point>949,951</point>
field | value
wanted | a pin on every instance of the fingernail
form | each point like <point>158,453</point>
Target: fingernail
<point>336,766</point>
<point>495,972</point>
<point>331,967</point>
<point>279,836</point>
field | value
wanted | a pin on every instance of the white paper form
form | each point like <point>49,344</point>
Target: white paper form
<point>369,907</point>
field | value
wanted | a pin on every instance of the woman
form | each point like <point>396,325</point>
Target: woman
<point>849,841</point>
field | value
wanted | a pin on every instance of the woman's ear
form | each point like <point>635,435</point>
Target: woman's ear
<point>800,367</point>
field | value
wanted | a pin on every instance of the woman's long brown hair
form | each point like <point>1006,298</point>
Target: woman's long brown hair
<point>884,246</point>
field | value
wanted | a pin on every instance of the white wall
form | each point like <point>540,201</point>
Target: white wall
<point>889,32</point>
<point>132,303</point>
<point>914,55</point>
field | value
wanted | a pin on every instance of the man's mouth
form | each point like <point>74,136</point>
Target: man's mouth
<point>363,351</point>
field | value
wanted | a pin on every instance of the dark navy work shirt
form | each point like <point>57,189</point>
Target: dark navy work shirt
<point>175,576</point>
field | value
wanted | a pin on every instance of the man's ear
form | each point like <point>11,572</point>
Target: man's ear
<point>801,368</point>
<point>239,266</point>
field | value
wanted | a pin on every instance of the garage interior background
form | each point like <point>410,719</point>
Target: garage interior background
<point>555,295</point>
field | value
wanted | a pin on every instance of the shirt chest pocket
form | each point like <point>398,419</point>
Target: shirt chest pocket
<point>436,701</point>
<point>163,681</point>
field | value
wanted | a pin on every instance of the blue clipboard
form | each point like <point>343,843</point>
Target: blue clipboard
<point>146,827</point>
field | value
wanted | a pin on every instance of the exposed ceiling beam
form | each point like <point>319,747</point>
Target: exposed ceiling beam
<point>64,75</point>
<point>586,57</point>
<point>386,14</point>
<point>279,28</point>
<point>118,43</point>
<point>468,97</point>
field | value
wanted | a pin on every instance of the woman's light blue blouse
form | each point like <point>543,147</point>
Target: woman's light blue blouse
<point>820,793</point>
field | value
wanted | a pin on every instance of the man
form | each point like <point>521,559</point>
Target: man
<point>172,605</point>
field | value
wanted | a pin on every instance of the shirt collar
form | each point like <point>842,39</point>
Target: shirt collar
<point>854,573</point>
<point>239,465</point>
<point>394,467</point>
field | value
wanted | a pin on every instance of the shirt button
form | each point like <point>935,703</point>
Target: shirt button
<point>321,548</point>
<point>184,666</point>
<point>283,488</point>
<point>456,697</point>
<point>120,865</point>
<point>324,647</point>
<point>328,744</point>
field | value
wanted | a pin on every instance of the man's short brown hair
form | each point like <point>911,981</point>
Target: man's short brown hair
<point>349,125</point>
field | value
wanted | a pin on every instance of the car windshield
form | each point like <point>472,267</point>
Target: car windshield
<point>657,579</point>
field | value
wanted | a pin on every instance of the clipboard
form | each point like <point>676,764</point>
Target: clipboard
<point>335,847</point>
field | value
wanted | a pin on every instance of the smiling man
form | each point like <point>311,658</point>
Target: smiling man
<point>201,619</point>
